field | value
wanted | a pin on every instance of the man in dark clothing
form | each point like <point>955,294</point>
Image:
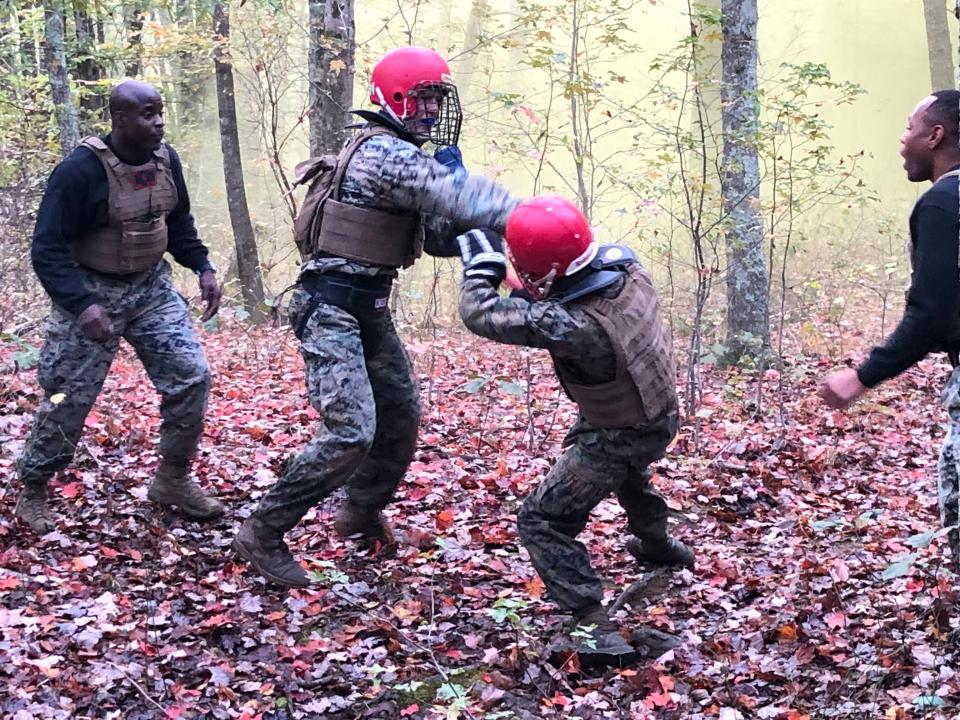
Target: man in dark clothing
<point>931,321</point>
<point>110,211</point>
<point>390,201</point>
<point>595,310</point>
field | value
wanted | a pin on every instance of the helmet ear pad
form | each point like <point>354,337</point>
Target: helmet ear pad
<point>548,238</point>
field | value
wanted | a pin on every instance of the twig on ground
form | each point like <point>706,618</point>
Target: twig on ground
<point>634,589</point>
<point>139,687</point>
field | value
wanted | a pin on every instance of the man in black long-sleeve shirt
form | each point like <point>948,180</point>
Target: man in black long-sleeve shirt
<point>931,321</point>
<point>110,211</point>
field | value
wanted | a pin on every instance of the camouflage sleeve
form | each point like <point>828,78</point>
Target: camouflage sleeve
<point>389,173</point>
<point>564,331</point>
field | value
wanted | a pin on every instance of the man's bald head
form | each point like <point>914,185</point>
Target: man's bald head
<point>136,119</point>
<point>130,95</point>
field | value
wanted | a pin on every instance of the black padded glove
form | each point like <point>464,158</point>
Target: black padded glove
<point>482,255</point>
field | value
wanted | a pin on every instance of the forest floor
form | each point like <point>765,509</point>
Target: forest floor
<point>820,589</point>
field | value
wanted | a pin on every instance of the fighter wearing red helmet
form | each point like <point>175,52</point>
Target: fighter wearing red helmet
<point>369,211</point>
<point>595,310</point>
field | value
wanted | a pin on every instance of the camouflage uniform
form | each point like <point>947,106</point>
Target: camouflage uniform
<point>363,384</point>
<point>98,211</point>
<point>949,465</point>
<point>147,312</point>
<point>597,461</point>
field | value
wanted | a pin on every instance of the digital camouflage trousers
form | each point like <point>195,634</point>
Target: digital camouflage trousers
<point>949,465</point>
<point>370,415</point>
<point>597,464</point>
<point>154,319</point>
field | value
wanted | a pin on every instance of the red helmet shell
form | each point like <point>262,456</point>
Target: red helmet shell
<point>548,234</point>
<point>400,71</point>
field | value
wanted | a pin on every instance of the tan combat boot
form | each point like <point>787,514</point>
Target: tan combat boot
<point>264,548</point>
<point>173,486</point>
<point>366,524</point>
<point>668,551</point>
<point>32,508</point>
<point>597,639</point>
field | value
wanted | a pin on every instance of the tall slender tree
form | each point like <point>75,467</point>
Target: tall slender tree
<point>55,57</point>
<point>330,65</point>
<point>748,329</point>
<point>89,70</point>
<point>248,260</point>
<point>471,53</point>
<point>134,16</point>
<point>706,68</point>
<point>939,53</point>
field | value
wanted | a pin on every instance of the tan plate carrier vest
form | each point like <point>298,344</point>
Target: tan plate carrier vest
<point>139,199</point>
<point>326,225</point>
<point>645,381</point>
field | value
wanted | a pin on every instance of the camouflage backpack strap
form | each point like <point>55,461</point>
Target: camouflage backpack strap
<point>363,234</point>
<point>343,159</point>
<point>324,175</point>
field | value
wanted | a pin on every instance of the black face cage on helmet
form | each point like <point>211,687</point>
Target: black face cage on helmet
<point>446,129</point>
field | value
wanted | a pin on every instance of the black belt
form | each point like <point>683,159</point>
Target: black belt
<point>366,298</point>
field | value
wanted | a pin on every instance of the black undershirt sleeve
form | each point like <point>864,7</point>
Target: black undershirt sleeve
<point>69,206</point>
<point>183,241</point>
<point>933,302</point>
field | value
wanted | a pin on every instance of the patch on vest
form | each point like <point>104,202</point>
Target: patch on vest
<point>144,178</point>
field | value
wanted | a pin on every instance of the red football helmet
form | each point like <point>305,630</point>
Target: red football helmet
<point>548,238</point>
<point>405,72</point>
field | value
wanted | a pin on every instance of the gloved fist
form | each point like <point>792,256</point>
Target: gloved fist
<point>449,156</point>
<point>482,255</point>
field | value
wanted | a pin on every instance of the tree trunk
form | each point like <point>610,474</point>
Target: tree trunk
<point>330,65</point>
<point>248,261</point>
<point>30,60</point>
<point>55,57</point>
<point>89,72</point>
<point>467,66</point>
<point>748,329</point>
<point>706,70</point>
<point>939,53</point>
<point>191,73</point>
<point>135,15</point>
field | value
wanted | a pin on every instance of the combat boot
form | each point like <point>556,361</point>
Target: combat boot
<point>668,551</point>
<point>597,639</point>
<point>32,508</point>
<point>354,520</point>
<point>172,486</point>
<point>264,548</point>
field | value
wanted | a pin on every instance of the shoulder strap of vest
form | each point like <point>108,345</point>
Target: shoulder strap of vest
<point>162,154</point>
<point>94,143</point>
<point>343,159</point>
<point>102,151</point>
